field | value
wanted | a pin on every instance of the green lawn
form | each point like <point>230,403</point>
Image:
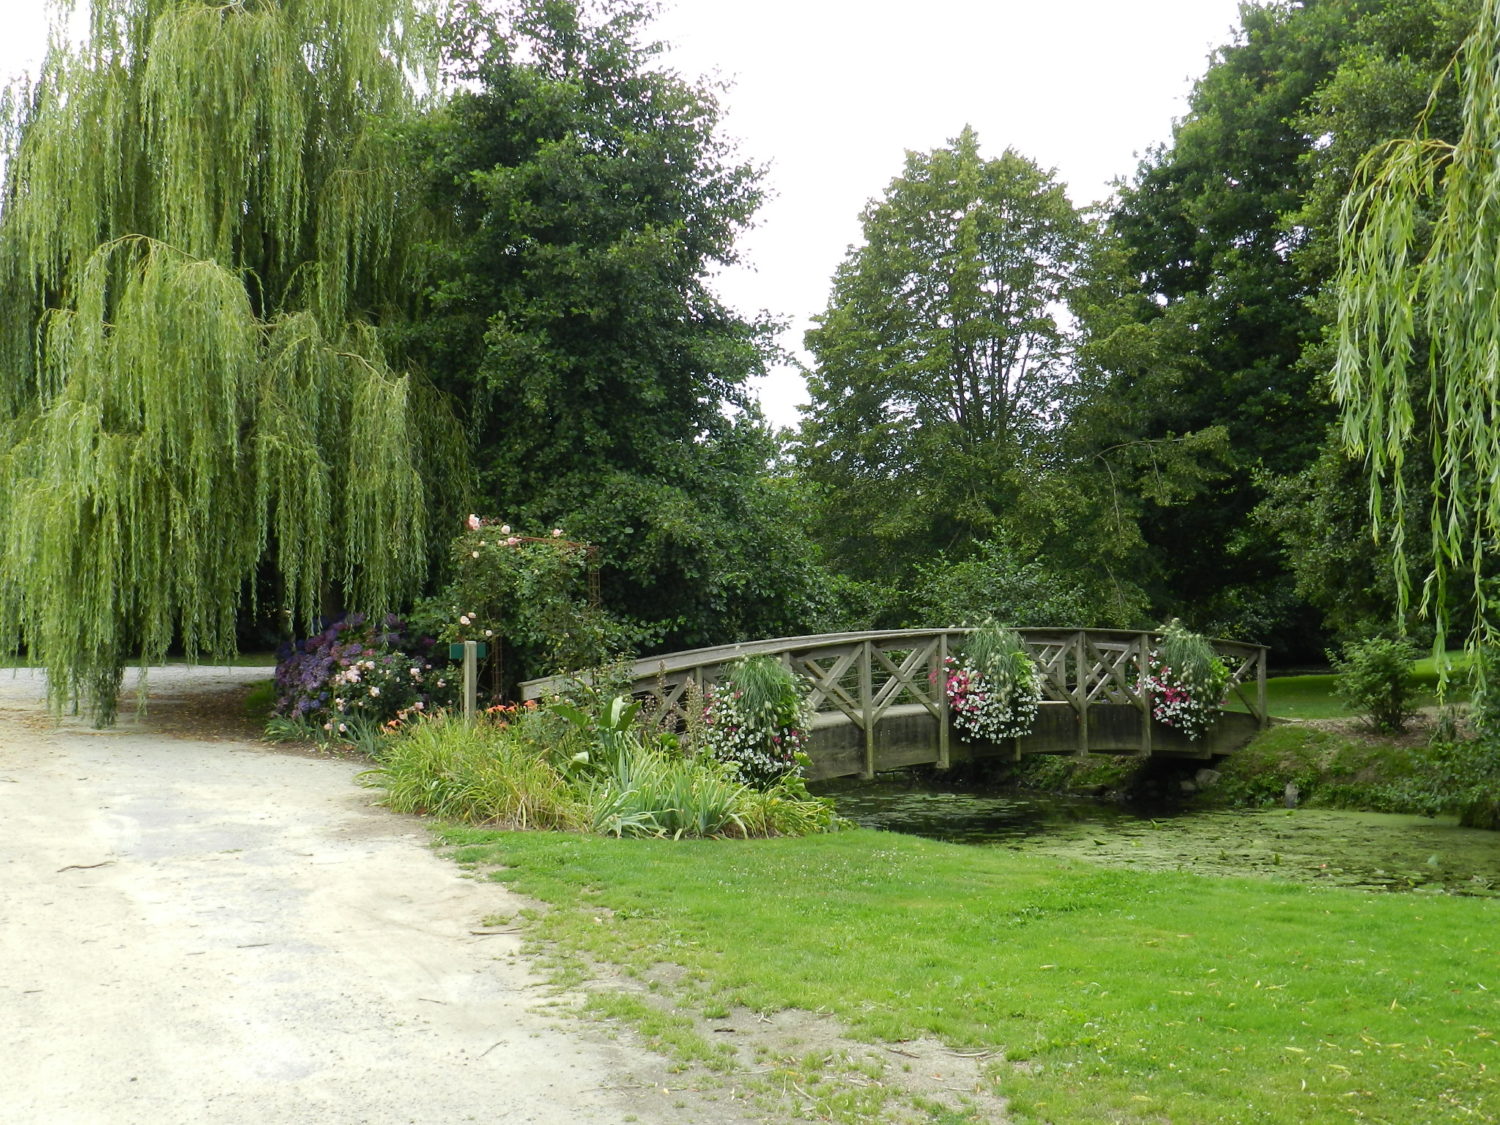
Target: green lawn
<point>1312,697</point>
<point>1108,995</point>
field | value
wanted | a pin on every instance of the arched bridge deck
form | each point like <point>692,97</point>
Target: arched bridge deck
<point>879,702</point>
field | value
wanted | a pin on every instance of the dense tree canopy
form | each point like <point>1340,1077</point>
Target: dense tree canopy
<point>1205,228</point>
<point>200,225</point>
<point>940,363</point>
<point>1228,234</point>
<point>569,314</point>
<point>1419,332</point>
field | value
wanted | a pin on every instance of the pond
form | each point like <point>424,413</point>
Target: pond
<point>1375,851</point>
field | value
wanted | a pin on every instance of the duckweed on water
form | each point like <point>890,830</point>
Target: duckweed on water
<point>1378,851</point>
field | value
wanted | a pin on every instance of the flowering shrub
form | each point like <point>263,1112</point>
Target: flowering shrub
<point>994,687</point>
<point>354,675</point>
<point>525,596</point>
<point>1187,681</point>
<point>756,718</point>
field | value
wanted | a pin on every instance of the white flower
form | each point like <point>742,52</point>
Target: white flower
<point>473,554</point>
<point>463,619</point>
<point>557,533</point>
<point>505,529</point>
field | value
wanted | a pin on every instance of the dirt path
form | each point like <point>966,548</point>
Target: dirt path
<point>197,930</point>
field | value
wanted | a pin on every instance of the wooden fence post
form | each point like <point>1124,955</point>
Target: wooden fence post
<point>471,680</point>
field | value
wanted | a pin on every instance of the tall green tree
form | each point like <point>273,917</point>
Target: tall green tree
<point>1418,335</point>
<point>203,218</point>
<point>941,363</point>
<point>1206,229</point>
<point>1383,85</point>
<point>1228,233</point>
<point>568,311</point>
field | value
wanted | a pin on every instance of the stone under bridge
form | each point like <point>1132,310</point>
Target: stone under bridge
<point>879,702</point>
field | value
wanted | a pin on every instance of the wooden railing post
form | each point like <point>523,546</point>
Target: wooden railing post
<point>942,701</point>
<point>1262,705</point>
<point>1081,691</point>
<point>1143,690</point>
<point>867,708</point>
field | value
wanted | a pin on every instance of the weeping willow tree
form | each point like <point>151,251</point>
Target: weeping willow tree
<point>203,217</point>
<point>1419,340</point>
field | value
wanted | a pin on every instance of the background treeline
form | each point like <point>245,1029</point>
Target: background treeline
<point>496,300</point>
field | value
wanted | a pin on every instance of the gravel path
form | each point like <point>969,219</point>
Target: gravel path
<point>212,930</point>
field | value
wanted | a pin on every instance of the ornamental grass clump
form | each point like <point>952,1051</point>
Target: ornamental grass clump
<point>757,720</point>
<point>486,772</point>
<point>994,687</point>
<point>1187,680</point>
<point>649,791</point>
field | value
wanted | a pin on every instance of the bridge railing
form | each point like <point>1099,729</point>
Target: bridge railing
<point>861,677</point>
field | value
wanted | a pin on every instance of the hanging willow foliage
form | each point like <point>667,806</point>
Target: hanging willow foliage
<point>201,215</point>
<point>1419,336</point>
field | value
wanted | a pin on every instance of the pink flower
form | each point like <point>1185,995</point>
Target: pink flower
<point>505,529</point>
<point>473,522</point>
<point>557,533</point>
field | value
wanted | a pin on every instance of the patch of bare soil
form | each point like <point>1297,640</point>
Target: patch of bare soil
<point>798,1062</point>
<point>1420,729</point>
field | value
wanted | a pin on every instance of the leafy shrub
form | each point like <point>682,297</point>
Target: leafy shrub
<point>757,720</point>
<point>1375,678</point>
<point>1187,680</point>
<point>356,676</point>
<point>1484,705</point>
<point>993,686</point>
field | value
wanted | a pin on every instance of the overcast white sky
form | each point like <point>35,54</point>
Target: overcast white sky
<point>830,94</point>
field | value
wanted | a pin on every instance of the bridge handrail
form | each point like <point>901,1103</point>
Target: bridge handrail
<point>1086,686</point>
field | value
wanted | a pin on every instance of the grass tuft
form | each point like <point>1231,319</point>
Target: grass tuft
<point>481,773</point>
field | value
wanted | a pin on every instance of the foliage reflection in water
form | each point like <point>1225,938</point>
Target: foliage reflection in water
<point>1376,851</point>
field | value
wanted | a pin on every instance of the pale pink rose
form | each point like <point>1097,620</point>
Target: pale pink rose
<point>557,533</point>
<point>505,529</point>
<point>473,522</point>
<point>464,619</point>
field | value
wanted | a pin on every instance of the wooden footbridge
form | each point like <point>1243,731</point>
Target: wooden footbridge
<point>879,702</point>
